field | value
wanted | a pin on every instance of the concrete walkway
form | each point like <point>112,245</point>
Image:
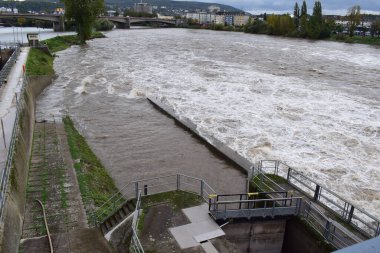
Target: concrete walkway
<point>8,93</point>
<point>201,229</point>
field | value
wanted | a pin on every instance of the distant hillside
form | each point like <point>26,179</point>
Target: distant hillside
<point>185,5</point>
<point>49,5</point>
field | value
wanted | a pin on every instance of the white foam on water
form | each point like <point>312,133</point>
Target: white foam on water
<point>312,105</point>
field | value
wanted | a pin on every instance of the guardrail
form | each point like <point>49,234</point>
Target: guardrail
<point>332,231</point>
<point>149,187</point>
<point>364,222</point>
<point>145,187</point>
<point>135,245</point>
<point>6,170</point>
<point>243,207</point>
<point>8,65</point>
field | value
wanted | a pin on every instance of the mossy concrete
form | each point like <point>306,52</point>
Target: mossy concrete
<point>10,230</point>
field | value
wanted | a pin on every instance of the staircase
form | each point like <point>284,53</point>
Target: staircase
<point>117,217</point>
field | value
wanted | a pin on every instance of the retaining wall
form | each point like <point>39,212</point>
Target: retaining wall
<point>11,229</point>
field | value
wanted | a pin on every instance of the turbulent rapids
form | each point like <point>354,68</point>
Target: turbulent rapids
<point>313,105</point>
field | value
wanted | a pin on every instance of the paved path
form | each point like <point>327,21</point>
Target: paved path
<point>8,103</point>
<point>52,180</point>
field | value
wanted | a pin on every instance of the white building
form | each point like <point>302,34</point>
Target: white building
<point>202,17</point>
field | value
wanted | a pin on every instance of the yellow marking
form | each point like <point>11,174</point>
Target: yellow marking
<point>211,196</point>
<point>252,194</point>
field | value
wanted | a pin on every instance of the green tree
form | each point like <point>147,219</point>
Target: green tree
<point>317,12</point>
<point>353,16</point>
<point>304,9</point>
<point>296,15</point>
<point>84,12</point>
<point>303,21</point>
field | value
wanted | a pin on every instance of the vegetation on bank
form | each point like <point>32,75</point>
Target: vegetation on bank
<point>84,13</point>
<point>39,62</point>
<point>95,185</point>
<point>63,42</point>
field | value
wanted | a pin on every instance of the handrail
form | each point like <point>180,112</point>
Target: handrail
<point>255,200</point>
<point>365,222</point>
<point>46,226</point>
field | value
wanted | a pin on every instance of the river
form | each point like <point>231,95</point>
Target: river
<point>313,104</point>
<point>18,34</point>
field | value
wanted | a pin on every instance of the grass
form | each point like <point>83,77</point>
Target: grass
<point>95,185</point>
<point>177,199</point>
<point>39,63</point>
<point>60,43</point>
<point>368,40</point>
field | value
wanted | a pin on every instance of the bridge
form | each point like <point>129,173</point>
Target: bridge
<point>58,20</point>
<point>126,22</point>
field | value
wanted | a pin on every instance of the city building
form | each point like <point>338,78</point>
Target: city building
<point>143,8</point>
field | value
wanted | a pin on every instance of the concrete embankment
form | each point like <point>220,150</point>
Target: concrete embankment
<point>218,145</point>
<point>11,229</point>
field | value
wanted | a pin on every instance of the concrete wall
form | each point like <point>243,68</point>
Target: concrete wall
<point>298,239</point>
<point>11,229</point>
<point>265,236</point>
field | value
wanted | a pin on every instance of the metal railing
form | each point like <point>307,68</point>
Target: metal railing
<point>151,186</point>
<point>8,65</point>
<point>136,245</point>
<point>4,182</point>
<point>332,231</point>
<point>138,189</point>
<point>240,206</point>
<point>364,222</point>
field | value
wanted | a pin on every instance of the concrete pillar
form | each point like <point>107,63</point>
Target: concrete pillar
<point>125,25</point>
<point>60,25</point>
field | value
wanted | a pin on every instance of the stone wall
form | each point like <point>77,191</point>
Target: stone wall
<point>11,229</point>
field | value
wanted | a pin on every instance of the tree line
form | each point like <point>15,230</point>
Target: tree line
<point>303,25</point>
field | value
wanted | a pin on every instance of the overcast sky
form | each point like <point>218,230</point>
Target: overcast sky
<point>280,6</point>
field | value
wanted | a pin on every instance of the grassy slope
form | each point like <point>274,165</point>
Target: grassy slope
<point>96,186</point>
<point>39,63</point>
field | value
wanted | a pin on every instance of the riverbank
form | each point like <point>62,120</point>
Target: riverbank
<point>40,62</point>
<point>367,40</point>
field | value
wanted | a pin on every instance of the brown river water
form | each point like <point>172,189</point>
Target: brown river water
<point>312,104</point>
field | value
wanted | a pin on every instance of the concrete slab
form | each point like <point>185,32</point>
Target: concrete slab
<point>201,228</point>
<point>197,213</point>
<point>208,247</point>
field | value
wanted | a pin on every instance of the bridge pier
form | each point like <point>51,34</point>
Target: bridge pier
<point>60,25</point>
<point>125,25</point>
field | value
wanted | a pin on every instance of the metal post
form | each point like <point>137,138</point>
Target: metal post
<point>202,188</point>
<point>2,128</point>
<point>137,189</point>
<point>276,167</point>
<point>316,192</point>
<point>351,214</point>
<point>240,201</point>
<point>178,182</point>
<point>289,172</point>
<point>145,189</point>
<point>209,203</point>
<point>327,230</point>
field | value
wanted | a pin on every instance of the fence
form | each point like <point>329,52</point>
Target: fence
<point>241,206</point>
<point>367,224</point>
<point>6,169</point>
<point>332,231</point>
<point>135,245</point>
<point>152,186</point>
<point>9,64</point>
<point>145,187</point>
